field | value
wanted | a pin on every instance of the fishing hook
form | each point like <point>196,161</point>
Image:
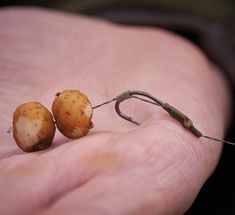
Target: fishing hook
<point>174,112</point>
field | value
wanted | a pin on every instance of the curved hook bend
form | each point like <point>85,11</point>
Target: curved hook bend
<point>133,94</point>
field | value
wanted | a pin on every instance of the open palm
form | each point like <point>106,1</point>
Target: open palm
<point>118,168</point>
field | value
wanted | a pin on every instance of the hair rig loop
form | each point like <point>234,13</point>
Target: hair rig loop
<point>175,113</point>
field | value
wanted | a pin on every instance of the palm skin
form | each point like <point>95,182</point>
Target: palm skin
<point>118,168</point>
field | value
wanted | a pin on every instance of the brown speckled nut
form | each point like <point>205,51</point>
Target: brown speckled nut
<point>33,127</point>
<point>73,112</point>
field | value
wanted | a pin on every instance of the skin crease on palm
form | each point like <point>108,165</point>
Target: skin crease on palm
<point>118,168</point>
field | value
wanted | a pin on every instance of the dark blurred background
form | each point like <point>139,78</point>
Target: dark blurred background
<point>216,9</point>
<point>218,194</point>
<point>221,11</point>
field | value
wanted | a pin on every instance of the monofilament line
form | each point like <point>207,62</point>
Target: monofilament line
<point>218,140</point>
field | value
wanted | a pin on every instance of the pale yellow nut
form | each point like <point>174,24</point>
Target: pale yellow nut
<point>33,127</point>
<point>72,112</point>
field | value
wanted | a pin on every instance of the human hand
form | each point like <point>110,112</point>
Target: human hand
<point>118,168</point>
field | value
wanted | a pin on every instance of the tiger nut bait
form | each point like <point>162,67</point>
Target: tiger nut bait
<point>73,112</point>
<point>33,127</point>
